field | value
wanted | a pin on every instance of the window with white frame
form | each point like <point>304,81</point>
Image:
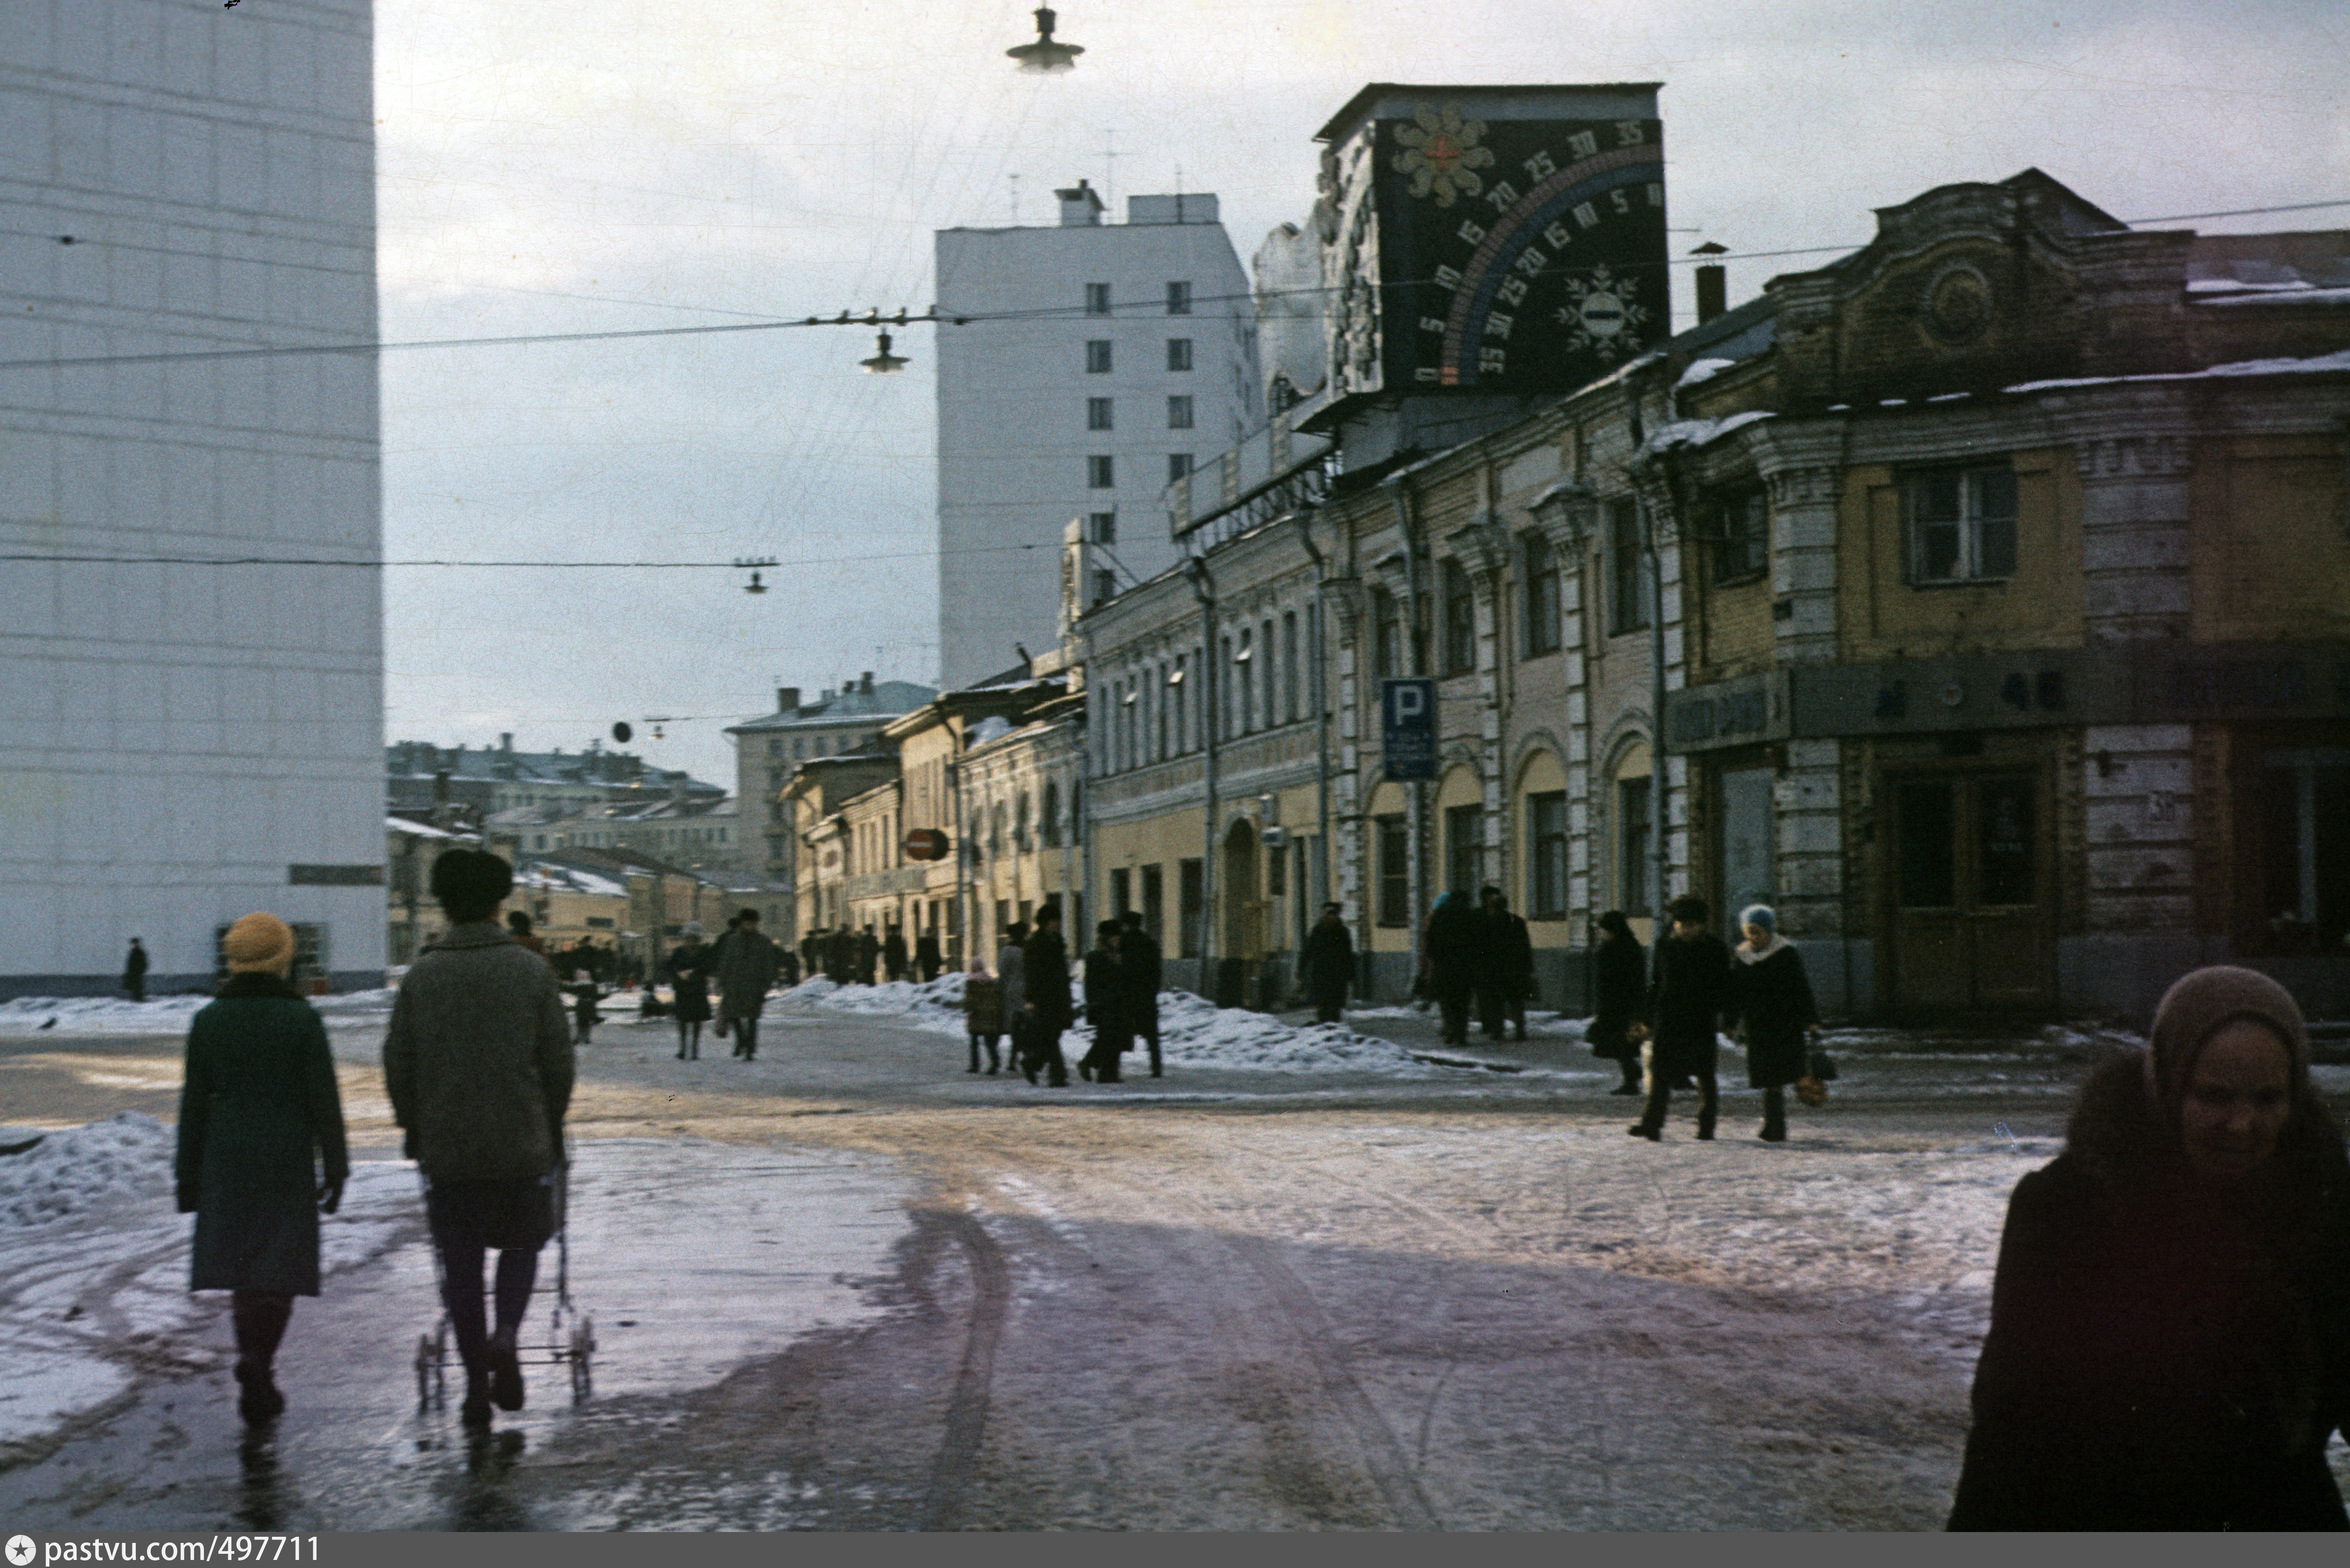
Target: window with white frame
<point>1961,524</point>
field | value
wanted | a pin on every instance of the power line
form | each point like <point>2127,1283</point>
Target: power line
<point>39,558</point>
<point>900,319</point>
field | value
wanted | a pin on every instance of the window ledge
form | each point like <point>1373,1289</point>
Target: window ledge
<point>1935,585</point>
<point>1744,579</point>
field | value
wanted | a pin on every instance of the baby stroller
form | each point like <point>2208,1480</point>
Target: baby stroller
<point>570,1336</point>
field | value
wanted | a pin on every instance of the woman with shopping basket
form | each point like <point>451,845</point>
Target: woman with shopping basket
<point>478,1063</point>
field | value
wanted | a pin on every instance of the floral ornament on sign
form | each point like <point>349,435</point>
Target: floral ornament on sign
<point>1441,153</point>
<point>1600,314</point>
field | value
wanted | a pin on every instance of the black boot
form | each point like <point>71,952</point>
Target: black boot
<point>1775,1116</point>
<point>260,1322</point>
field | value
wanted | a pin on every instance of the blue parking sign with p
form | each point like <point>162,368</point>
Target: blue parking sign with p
<point>1407,728</point>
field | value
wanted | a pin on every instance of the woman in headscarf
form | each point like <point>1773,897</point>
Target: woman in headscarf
<point>1777,1019</point>
<point>1621,989</point>
<point>261,1150</point>
<point>982,1014</point>
<point>2169,1344</point>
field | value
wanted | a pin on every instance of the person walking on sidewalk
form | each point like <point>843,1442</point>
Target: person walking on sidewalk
<point>926,958</point>
<point>1044,991</point>
<point>584,1014</point>
<point>1106,1007</point>
<point>1506,968</point>
<point>1771,996</point>
<point>261,1149</point>
<point>478,1067</point>
<point>1451,952</point>
<point>893,953</point>
<point>1328,962</point>
<point>983,1013</point>
<point>1011,973</point>
<point>2170,1344</point>
<point>689,991</point>
<point>134,971</point>
<point>519,924</point>
<point>1621,989</point>
<point>1685,1005</point>
<point>1139,961</point>
<point>743,964</point>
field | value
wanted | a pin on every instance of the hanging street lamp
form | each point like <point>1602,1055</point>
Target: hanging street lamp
<point>883,362</point>
<point>1045,55</point>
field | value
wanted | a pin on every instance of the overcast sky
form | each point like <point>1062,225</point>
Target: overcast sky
<point>594,165</point>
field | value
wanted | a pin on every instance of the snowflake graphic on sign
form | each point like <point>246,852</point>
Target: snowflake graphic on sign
<point>1441,153</point>
<point>1600,313</point>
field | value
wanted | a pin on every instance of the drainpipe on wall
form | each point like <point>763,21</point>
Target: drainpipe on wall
<point>1203,588</point>
<point>1415,640</point>
<point>964,848</point>
<point>1321,700</point>
<point>1659,785</point>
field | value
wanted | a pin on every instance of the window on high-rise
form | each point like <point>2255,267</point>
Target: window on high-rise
<point>1097,357</point>
<point>1178,466</point>
<point>1102,527</point>
<point>1178,354</point>
<point>1178,412</point>
<point>1101,473</point>
<point>1178,299</point>
<point>1097,300</point>
<point>1099,413</point>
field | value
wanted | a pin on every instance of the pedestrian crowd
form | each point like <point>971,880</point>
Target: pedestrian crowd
<point>2169,1340</point>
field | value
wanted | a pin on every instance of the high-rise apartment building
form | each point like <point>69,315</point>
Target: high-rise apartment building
<point>1099,362</point>
<point>181,742</point>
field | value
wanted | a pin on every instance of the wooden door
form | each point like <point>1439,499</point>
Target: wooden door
<point>1973,893</point>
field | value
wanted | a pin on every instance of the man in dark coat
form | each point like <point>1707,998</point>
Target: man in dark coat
<point>134,972</point>
<point>1450,954</point>
<point>812,951</point>
<point>479,1066</point>
<point>868,954</point>
<point>688,980</point>
<point>1044,991</point>
<point>1328,962</point>
<point>1506,967</point>
<point>893,953</point>
<point>1106,1006</point>
<point>1686,1005</point>
<point>743,963</point>
<point>261,1149</point>
<point>927,958</point>
<point>840,956</point>
<point>1137,959</point>
<point>2170,1344</point>
<point>1619,1000</point>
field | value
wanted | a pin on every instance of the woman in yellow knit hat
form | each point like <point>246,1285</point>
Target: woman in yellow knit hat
<point>261,1149</point>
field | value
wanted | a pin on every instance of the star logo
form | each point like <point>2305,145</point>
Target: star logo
<point>20,1550</point>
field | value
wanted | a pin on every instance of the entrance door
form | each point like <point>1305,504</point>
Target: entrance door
<point>1972,894</point>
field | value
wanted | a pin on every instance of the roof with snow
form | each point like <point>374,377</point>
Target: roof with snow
<point>888,699</point>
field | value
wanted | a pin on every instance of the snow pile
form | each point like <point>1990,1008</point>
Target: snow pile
<point>1195,1033</point>
<point>66,1172</point>
<point>1192,1031</point>
<point>935,1005</point>
<point>99,1014</point>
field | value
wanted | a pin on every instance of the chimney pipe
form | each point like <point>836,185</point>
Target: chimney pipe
<point>1713,284</point>
<point>506,740</point>
<point>866,685</point>
<point>788,698</point>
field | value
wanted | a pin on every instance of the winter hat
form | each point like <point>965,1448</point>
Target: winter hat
<point>2193,1011</point>
<point>1760,915</point>
<point>258,944</point>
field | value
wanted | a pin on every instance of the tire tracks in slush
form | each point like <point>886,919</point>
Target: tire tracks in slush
<point>956,1462</point>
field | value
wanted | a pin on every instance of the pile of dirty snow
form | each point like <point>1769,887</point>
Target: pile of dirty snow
<point>97,1015</point>
<point>128,1155</point>
<point>1192,1031</point>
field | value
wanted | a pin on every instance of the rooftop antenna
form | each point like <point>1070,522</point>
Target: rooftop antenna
<point>1109,167</point>
<point>1015,200</point>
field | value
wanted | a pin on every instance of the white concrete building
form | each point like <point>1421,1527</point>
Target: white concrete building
<point>1128,355</point>
<point>182,743</point>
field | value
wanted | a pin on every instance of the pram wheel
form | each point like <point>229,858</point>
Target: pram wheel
<point>432,1356</point>
<point>581,1353</point>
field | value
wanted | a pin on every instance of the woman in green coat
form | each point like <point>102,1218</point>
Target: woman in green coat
<point>261,1149</point>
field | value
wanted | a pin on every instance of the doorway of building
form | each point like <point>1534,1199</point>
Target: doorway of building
<point>1243,908</point>
<point>1973,893</point>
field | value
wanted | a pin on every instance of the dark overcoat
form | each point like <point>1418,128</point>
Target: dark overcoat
<point>1328,959</point>
<point>1044,978</point>
<point>982,1004</point>
<point>2165,1353</point>
<point>1507,956</point>
<point>1141,973</point>
<point>260,1124</point>
<point>1686,1005</point>
<point>688,980</point>
<point>477,1059</point>
<point>1106,999</point>
<point>745,964</point>
<point>1455,947</point>
<point>1622,989</point>
<point>1771,998</point>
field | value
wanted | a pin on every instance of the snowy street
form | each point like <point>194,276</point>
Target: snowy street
<point>1307,1279</point>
